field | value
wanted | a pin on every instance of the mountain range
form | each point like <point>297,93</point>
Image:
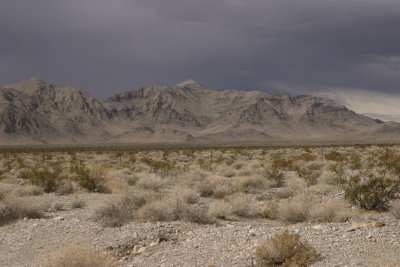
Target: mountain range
<point>34,111</point>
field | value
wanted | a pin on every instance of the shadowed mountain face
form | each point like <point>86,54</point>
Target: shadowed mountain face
<point>35,112</point>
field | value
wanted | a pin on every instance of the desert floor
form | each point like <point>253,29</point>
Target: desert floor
<point>195,207</point>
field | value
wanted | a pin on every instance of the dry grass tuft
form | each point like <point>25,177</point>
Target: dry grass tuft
<point>12,209</point>
<point>111,214</point>
<point>243,205</point>
<point>270,210</point>
<point>151,182</point>
<point>220,209</point>
<point>296,209</point>
<point>331,210</point>
<point>215,186</point>
<point>286,249</point>
<point>80,256</point>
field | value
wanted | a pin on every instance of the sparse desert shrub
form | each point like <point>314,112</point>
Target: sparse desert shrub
<point>28,190</point>
<point>197,215</point>
<point>46,176</point>
<point>92,180</point>
<point>243,205</point>
<point>5,189</point>
<point>354,161</point>
<point>172,208</point>
<point>136,198</point>
<point>188,195</point>
<point>331,210</point>
<point>117,212</point>
<point>306,157</point>
<point>270,210</point>
<point>219,160</point>
<point>56,207</point>
<point>12,209</point>
<point>276,176</point>
<point>80,256</point>
<point>162,168</point>
<point>322,188</point>
<point>220,209</point>
<point>372,187</point>
<point>205,164</point>
<point>296,209</point>
<point>111,214</point>
<point>131,179</point>
<point>251,184</point>
<point>335,156</point>
<point>294,186</point>
<point>215,186</point>
<point>78,204</point>
<point>66,187</point>
<point>229,173</point>
<point>238,165</point>
<point>167,209</point>
<point>396,209</point>
<point>283,164</point>
<point>152,182</point>
<point>315,166</point>
<point>310,176</point>
<point>286,249</point>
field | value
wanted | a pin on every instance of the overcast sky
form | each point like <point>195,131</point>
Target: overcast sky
<point>348,50</point>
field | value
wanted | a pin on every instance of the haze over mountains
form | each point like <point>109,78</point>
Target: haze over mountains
<point>34,111</point>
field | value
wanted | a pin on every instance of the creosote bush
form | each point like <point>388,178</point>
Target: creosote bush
<point>373,186</point>
<point>91,179</point>
<point>47,176</point>
<point>286,249</point>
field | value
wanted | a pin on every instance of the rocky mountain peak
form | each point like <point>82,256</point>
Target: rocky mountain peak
<point>185,112</point>
<point>190,83</point>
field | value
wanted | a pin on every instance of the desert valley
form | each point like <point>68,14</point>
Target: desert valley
<point>188,176</point>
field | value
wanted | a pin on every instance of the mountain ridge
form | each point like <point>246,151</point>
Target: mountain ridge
<point>34,111</point>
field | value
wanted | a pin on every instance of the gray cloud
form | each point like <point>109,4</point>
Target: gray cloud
<point>296,46</point>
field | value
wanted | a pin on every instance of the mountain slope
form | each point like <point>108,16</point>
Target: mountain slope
<point>43,112</point>
<point>34,111</point>
<point>207,114</point>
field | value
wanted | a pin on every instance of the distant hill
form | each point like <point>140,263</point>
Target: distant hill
<point>34,111</point>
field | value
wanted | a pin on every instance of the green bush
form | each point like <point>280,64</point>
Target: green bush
<point>373,186</point>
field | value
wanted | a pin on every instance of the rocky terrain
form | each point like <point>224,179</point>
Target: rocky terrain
<point>34,111</point>
<point>192,207</point>
<point>231,243</point>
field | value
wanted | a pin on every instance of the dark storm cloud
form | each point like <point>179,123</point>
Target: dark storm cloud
<point>299,46</point>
